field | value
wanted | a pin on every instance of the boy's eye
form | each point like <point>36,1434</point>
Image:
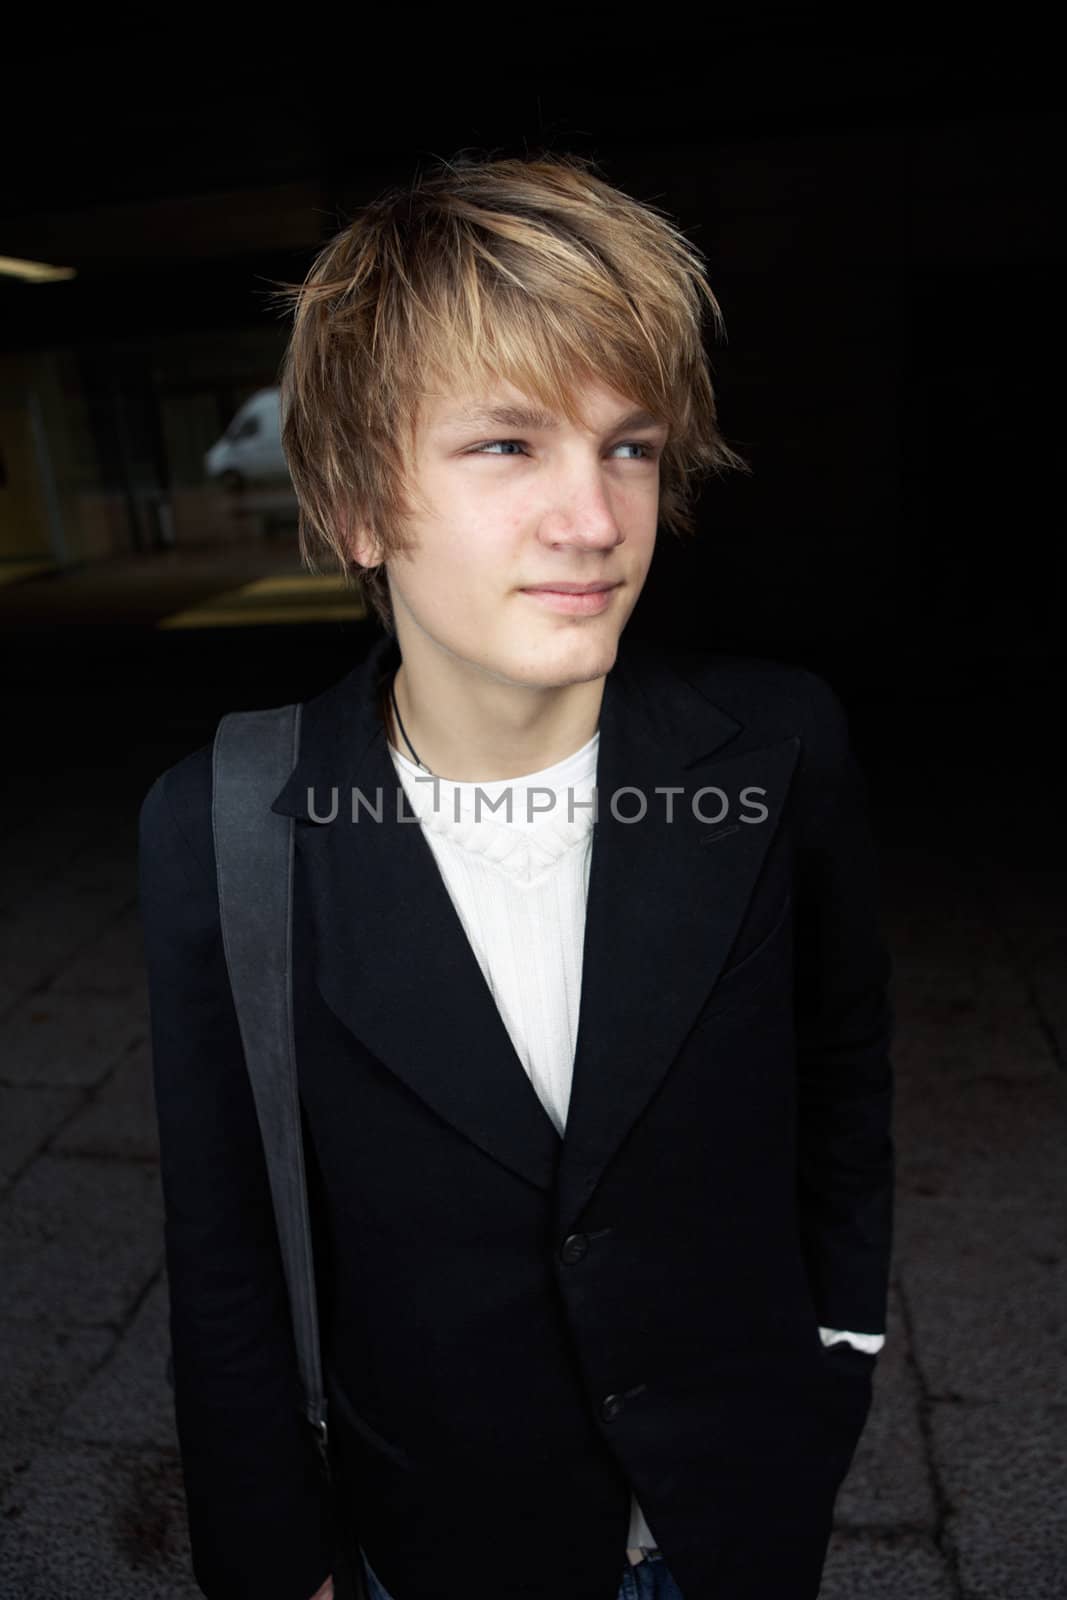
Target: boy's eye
<point>493,446</point>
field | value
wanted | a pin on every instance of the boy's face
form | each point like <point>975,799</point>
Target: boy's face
<point>517,502</point>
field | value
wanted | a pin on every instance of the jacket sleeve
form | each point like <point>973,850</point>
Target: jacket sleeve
<point>259,1517</point>
<point>844,1026</point>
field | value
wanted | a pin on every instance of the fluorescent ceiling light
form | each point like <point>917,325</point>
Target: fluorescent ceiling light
<point>33,271</point>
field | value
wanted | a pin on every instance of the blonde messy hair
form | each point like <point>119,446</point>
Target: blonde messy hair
<point>533,271</point>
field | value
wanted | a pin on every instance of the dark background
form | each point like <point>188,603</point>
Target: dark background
<point>880,229</point>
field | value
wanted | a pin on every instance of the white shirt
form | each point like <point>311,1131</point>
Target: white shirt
<point>519,887</point>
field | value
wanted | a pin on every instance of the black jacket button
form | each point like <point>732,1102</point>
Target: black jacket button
<point>610,1407</point>
<point>574,1247</point>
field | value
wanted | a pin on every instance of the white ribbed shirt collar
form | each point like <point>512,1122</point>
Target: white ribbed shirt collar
<point>451,809</point>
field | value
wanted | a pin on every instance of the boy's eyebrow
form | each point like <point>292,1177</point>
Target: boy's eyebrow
<point>534,418</point>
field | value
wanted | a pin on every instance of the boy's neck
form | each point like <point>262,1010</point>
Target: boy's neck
<point>470,729</point>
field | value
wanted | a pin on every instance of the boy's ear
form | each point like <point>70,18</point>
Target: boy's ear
<point>363,545</point>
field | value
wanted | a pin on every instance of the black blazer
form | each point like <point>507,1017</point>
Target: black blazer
<point>518,1328</point>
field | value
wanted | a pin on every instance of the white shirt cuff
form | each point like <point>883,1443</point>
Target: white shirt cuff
<point>871,1342</point>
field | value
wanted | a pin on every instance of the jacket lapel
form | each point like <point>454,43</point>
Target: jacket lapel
<point>393,961</point>
<point>666,898</point>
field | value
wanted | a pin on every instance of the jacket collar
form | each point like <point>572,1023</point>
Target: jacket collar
<point>337,729</point>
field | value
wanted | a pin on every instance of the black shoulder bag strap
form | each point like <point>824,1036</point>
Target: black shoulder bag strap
<point>254,752</point>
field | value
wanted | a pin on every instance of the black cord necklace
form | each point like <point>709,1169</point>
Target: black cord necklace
<point>403,730</point>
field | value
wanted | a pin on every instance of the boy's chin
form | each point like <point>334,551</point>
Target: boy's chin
<point>561,661</point>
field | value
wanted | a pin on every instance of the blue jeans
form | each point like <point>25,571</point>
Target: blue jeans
<point>649,1580</point>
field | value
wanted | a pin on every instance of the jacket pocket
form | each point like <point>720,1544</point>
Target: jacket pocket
<point>742,981</point>
<point>844,1358</point>
<point>357,1424</point>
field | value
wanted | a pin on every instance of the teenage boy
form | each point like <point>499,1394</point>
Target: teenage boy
<point>592,1011</point>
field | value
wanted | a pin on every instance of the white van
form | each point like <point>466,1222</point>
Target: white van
<point>250,451</point>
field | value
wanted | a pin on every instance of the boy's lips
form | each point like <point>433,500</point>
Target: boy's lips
<point>569,588</point>
<point>576,601</point>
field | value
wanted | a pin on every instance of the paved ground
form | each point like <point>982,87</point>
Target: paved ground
<point>959,1488</point>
